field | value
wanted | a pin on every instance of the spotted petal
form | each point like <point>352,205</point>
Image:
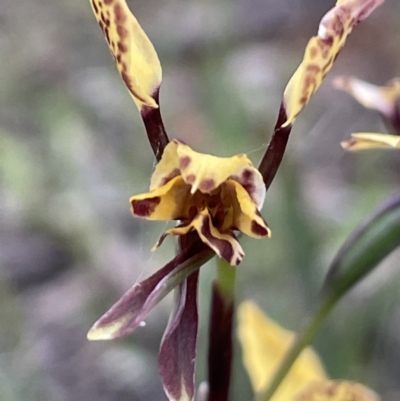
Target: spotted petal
<point>206,172</point>
<point>136,58</point>
<point>322,50</point>
<point>169,202</point>
<point>363,141</point>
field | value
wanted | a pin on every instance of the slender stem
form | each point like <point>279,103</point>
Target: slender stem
<point>226,277</point>
<point>220,350</point>
<point>156,133</point>
<point>303,339</point>
<point>273,156</point>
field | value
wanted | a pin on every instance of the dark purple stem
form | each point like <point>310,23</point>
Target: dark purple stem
<point>393,122</point>
<point>158,138</point>
<point>273,156</point>
<point>220,349</point>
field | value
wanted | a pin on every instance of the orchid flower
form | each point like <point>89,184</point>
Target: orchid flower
<point>264,345</point>
<point>385,100</point>
<point>212,198</point>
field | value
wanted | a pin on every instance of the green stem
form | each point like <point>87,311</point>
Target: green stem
<point>303,339</point>
<point>226,277</point>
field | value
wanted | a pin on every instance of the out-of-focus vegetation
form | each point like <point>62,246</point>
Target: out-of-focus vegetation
<point>73,149</point>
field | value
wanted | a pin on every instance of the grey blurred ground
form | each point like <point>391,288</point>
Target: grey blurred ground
<point>73,149</point>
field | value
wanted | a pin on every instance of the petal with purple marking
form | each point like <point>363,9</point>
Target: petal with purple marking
<point>134,54</point>
<point>322,50</point>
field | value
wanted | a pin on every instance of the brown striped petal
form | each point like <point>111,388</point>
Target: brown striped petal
<point>322,50</point>
<point>134,54</point>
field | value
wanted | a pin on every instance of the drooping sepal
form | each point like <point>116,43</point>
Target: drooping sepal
<point>178,347</point>
<point>128,313</point>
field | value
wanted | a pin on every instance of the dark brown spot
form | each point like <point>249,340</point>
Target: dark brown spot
<point>247,181</point>
<point>108,2</point>
<point>122,47</point>
<point>96,10</point>
<point>107,34</point>
<point>122,31</point>
<point>120,16</point>
<point>184,162</point>
<point>145,207</point>
<point>175,172</point>
<point>247,175</point>
<point>313,52</point>
<point>191,178</point>
<point>207,185</point>
<point>258,229</point>
<point>118,58</point>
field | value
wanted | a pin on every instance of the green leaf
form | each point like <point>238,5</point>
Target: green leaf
<point>375,239</point>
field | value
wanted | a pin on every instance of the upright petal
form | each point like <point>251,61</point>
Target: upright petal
<point>264,345</point>
<point>367,140</point>
<point>136,58</point>
<point>322,50</point>
<point>206,172</point>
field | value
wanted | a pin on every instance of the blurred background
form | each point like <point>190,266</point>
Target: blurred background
<point>73,150</point>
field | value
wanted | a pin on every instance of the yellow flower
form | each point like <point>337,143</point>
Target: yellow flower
<point>322,50</point>
<point>211,195</point>
<point>264,345</point>
<point>386,100</point>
